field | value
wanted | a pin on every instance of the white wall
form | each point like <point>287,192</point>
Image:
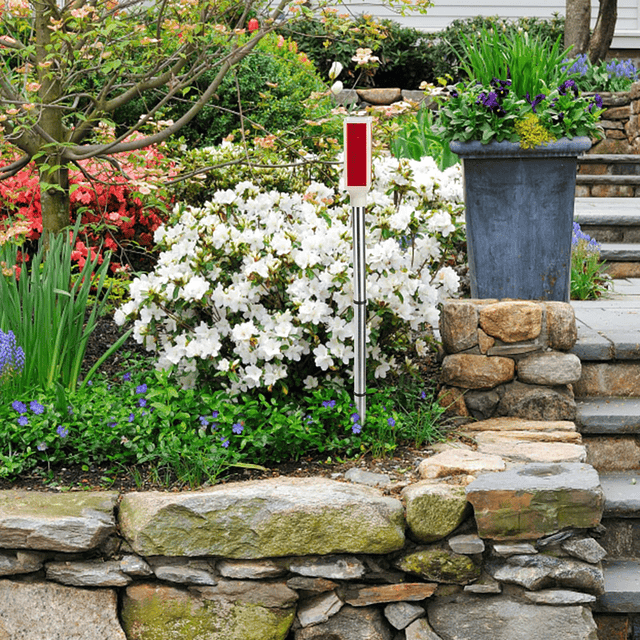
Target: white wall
<point>443,12</point>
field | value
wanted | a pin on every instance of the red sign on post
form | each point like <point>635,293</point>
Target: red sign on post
<point>357,154</point>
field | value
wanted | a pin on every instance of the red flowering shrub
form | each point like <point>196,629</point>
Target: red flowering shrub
<point>120,207</point>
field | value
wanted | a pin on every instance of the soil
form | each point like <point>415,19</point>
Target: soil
<point>401,466</point>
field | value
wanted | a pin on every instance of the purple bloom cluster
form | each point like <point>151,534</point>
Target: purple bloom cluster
<point>579,235</point>
<point>622,69</point>
<point>11,355</point>
<point>580,65</point>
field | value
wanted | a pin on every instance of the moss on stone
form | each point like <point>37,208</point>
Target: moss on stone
<point>184,617</point>
<point>431,517</point>
<point>438,565</point>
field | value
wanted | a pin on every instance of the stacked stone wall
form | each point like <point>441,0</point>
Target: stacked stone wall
<point>306,559</point>
<point>509,359</point>
<point>621,125</point>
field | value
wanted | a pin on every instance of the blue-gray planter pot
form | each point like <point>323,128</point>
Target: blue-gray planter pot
<point>519,217</point>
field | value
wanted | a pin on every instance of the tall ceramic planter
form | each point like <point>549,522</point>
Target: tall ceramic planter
<point>519,217</point>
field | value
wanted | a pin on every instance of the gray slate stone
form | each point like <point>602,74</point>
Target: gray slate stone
<point>68,522</point>
<point>468,544</point>
<point>331,567</point>
<point>502,618</point>
<point>319,609</point>
<point>402,614</point>
<point>622,587</point>
<point>540,571</point>
<point>50,611</point>
<point>421,630</point>
<point>362,476</point>
<point>264,519</point>
<point>586,549</point>
<point>350,623</point>
<point>92,573</point>
<point>14,562</point>
<point>514,549</point>
<point>250,569</point>
<point>550,368</point>
<point>183,571</point>
<point>135,566</point>
<point>559,597</point>
<point>313,585</point>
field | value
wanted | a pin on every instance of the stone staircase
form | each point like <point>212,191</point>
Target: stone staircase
<point>615,224</point>
<point>608,399</point>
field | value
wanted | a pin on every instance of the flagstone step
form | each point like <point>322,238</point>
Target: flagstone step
<point>608,416</point>
<point>621,494</point>
<point>620,252</point>
<point>622,587</point>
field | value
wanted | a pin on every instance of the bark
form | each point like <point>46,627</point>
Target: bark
<point>54,199</point>
<point>576,26</point>
<point>603,31</point>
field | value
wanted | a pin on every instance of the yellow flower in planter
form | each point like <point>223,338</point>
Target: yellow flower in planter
<point>532,132</point>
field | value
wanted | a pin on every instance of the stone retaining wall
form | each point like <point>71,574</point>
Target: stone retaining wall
<point>312,558</point>
<point>622,136</point>
<point>496,541</point>
<point>509,358</point>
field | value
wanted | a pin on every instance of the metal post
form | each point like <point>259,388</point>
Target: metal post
<point>357,137</point>
<point>359,313</point>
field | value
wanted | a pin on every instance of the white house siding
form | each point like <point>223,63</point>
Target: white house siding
<point>443,12</point>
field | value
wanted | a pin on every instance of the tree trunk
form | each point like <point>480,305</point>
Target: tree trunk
<point>54,176</point>
<point>603,31</point>
<point>54,197</point>
<point>577,25</point>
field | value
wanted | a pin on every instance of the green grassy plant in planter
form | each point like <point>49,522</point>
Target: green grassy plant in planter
<point>519,125</point>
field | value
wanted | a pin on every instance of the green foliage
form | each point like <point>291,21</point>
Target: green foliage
<point>48,310</point>
<point>588,280</point>
<point>408,56</point>
<point>196,435</point>
<point>273,83</point>
<point>448,45</point>
<point>416,138</point>
<point>611,75</point>
<point>532,64</point>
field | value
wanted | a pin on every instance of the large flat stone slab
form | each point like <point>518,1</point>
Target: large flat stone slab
<point>622,587</point>
<point>235,610</point>
<point>533,500</point>
<point>622,494</point>
<point>261,519</point>
<point>502,618</point>
<point>50,611</point>
<point>68,522</point>
<point>610,416</point>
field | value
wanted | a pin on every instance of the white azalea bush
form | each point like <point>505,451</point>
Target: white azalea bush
<point>253,290</point>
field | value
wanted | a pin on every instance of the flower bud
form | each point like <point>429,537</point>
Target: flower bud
<point>335,70</point>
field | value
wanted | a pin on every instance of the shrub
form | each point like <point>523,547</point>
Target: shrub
<point>119,209</point>
<point>407,56</point>
<point>273,83</point>
<point>254,289</point>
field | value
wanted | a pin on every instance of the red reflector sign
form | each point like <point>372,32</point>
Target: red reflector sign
<point>357,139</point>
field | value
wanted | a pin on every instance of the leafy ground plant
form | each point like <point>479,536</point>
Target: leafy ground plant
<point>144,418</point>
<point>588,280</point>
